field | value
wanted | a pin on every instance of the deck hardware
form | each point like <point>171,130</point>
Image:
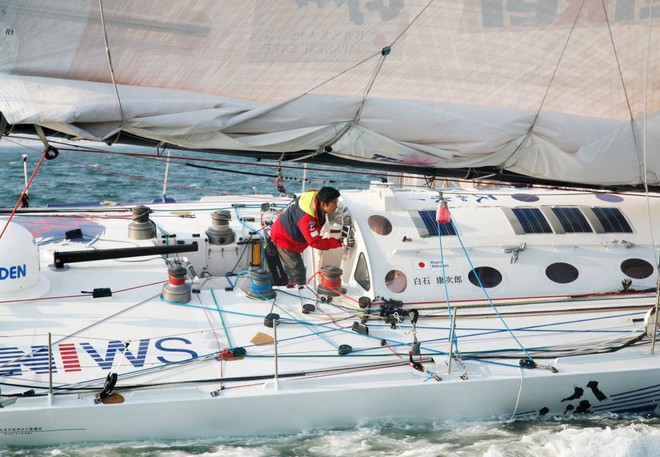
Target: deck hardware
<point>360,328</point>
<point>344,349</point>
<point>271,320</point>
<point>514,251</point>
<point>60,259</point>
<point>308,308</point>
<point>141,227</point>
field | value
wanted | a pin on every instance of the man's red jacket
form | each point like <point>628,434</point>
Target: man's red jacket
<point>300,226</point>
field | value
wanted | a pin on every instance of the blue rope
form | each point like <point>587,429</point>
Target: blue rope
<point>395,343</point>
<point>467,256</point>
<point>238,275</point>
<point>313,332</point>
<point>306,324</point>
<point>222,319</point>
<point>454,341</point>
<point>259,288</point>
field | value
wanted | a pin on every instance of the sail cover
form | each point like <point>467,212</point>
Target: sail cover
<point>563,90</point>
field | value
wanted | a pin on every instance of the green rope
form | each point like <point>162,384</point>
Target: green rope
<point>224,326</point>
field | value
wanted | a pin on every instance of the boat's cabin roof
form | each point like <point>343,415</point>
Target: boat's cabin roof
<point>500,242</point>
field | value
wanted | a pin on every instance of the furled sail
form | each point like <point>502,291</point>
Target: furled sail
<point>558,90</point>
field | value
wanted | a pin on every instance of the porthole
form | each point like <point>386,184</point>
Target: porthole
<point>380,225</point>
<point>525,197</point>
<point>609,198</point>
<point>637,268</point>
<point>396,281</point>
<point>489,277</point>
<point>562,273</point>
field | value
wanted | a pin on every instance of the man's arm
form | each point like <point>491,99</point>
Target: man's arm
<point>312,232</point>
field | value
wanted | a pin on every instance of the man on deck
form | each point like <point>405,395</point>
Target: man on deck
<point>300,226</point>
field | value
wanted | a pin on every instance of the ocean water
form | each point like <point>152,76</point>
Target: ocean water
<point>78,175</point>
<point>130,174</point>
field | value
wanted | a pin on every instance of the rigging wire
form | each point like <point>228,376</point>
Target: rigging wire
<point>638,147</point>
<point>112,70</point>
<point>293,168</point>
<point>385,51</point>
<point>25,189</point>
<point>618,66</point>
<point>547,89</point>
<point>370,56</point>
<point>277,176</point>
<point>366,59</point>
<point>646,184</point>
<point>176,159</point>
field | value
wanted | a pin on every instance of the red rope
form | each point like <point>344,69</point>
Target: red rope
<point>328,284</point>
<point>342,294</point>
<point>177,281</point>
<point>27,186</point>
<point>217,340</point>
<point>312,277</point>
<point>81,295</point>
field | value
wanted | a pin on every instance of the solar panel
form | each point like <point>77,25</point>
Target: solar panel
<point>572,220</point>
<point>532,220</point>
<point>428,217</point>
<point>613,220</point>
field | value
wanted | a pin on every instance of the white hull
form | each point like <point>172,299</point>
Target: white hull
<point>190,412</point>
<point>181,372</point>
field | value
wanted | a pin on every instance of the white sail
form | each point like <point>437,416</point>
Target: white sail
<point>557,90</point>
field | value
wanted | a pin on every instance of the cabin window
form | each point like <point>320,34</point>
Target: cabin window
<point>489,277</point>
<point>572,220</point>
<point>396,281</point>
<point>361,274</point>
<point>380,225</point>
<point>427,226</point>
<point>532,220</point>
<point>562,273</point>
<point>637,268</point>
<point>613,220</point>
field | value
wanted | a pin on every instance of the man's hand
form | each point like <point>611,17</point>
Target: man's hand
<point>348,242</point>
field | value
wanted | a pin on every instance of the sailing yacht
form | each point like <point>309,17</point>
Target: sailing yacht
<point>530,293</point>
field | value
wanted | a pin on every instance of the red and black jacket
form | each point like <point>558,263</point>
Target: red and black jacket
<point>300,226</point>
